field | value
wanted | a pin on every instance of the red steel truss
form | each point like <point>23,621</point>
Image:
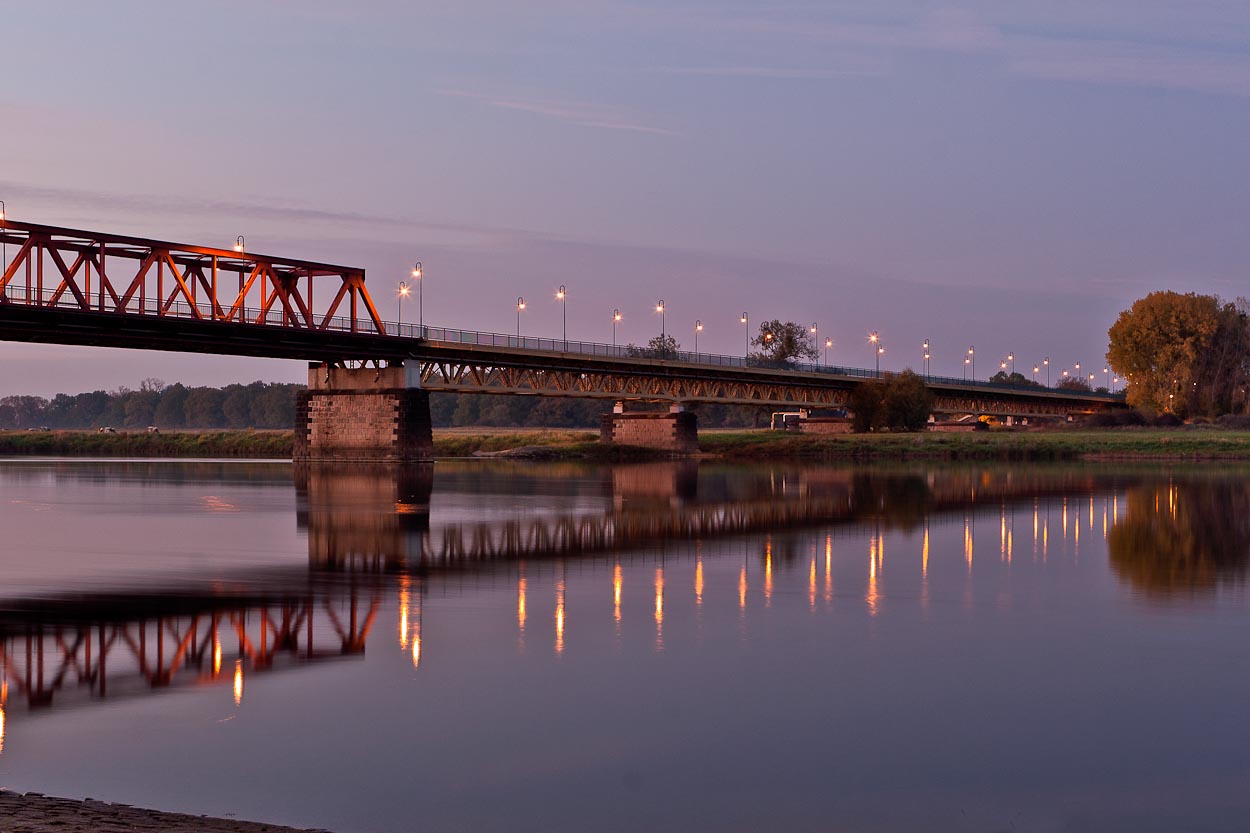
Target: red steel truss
<point>96,272</point>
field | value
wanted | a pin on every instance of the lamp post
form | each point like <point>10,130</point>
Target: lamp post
<point>616,317</point>
<point>1011,357</point>
<point>880,350</point>
<point>966,361</point>
<point>747,354</point>
<point>520,305</point>
<point>828,344</point>
<point>416,276</point>
<point>1106,378</point>
<point>1035,369</point>
<point>972,357</point>
<point>1046,361</point>
<point>875,340</point>
<point>563,297</point>
<point>815,329</point>
<point>659,307</point>
<point>403,293</point>
<point>926,357</point>
<point>4,244</point>
<point>239,244</point>
<point>698,328</point>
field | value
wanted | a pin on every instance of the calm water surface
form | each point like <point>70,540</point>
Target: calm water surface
<point>523,647</point>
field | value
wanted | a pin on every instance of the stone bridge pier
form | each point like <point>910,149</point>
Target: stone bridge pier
<point>676,431</point>
<point>365,414</point>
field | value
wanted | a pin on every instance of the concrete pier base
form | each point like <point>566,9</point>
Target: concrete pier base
<point>676,431</point>
<point>363,414</point>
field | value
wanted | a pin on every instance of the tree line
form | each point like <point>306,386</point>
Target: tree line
<point>272,406</point>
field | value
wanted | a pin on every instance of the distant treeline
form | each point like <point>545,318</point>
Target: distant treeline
<point>265,405</point>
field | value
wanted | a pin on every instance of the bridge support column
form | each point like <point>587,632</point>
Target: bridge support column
<point>364,414</point>
<point>676,431</point>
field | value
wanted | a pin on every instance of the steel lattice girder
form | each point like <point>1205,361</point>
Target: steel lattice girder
<point>486,377</point>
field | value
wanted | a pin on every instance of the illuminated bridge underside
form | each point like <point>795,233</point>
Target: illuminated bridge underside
<point>784,389</point>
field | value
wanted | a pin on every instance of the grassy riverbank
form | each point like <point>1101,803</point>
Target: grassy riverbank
<point>1094,444</point>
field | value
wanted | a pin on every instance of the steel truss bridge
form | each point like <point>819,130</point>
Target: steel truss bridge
<point>69,286</point>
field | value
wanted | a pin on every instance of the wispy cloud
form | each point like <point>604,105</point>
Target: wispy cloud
<point>769,72</point>
<point>581,113</point>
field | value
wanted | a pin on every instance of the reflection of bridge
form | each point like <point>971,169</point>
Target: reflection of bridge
<point>58,652</point>
<point>67,286</point>
<point>378,519</point>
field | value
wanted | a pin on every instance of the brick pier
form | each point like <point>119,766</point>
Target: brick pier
<point>676,431</point>
<point>364,414</point>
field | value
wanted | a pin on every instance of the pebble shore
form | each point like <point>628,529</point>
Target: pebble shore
<point>36,813</point>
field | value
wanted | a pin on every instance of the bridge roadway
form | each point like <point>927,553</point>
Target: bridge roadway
<point>69,286</point>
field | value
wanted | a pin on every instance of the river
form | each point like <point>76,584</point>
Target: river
<point>498,646</point>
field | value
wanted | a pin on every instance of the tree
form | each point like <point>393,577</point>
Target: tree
<point>1188,354</point>
<point>171,409</point>
<point>899,402</point>
<point>782,345</point>
<point>908,402</point>
<point>1075,383</point>
<point>1019,380</point>
<point>660,347</point>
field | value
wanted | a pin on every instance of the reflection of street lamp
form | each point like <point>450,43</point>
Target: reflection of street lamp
<point>520,305</point>
<point>660,309</point>
<point>616,317</point>
<point>698,328</point>
<point>563,297</point>
<point>403,293</point>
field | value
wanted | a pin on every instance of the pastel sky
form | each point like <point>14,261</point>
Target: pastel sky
<point>1003,174</point>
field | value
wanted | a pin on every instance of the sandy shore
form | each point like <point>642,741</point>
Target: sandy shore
<point>35,813</point>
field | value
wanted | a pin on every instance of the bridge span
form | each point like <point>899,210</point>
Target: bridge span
<point>76,287</point>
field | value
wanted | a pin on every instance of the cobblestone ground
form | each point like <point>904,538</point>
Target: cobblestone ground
<point>35,813</point>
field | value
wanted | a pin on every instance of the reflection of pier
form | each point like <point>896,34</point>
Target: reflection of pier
<point>63,652</point>
<point>377,519</point>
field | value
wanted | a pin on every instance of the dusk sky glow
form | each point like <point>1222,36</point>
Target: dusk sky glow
<point>1004,174</point>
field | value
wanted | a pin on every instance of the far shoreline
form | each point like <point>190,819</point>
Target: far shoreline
<point>1186,443</point>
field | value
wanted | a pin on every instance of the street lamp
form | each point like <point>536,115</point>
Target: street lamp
<point>880,350</point>
<point>520,305</point>
<point>972,357</point>
<point>416,276</point>
<point>659,307</point>
<point>239,244</point>
<point>1046,362</point>
<point>815,333</point>
<point>698,328</point>
<point>616,317</point>
<point>828,344</point>
<point>926,357</point>
<point>403,293</point>
<point>1106,378</point>
<point>966,362</point>
<point>4,244</point>
<point>1035,369</point>
<point>563,296</point>
<point>1011,357</point>
<point>747,354</point>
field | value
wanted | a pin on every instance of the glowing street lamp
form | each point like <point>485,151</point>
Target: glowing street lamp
<point>403,293</point>
<point>520,305</point>
<point>4,244</point>
<point>1035,369</point>
<point>828,344</point>
<point>698,328</point>
<point>1106,378</point>
<point>967,361</point>
<point>926,357</point>
<point>972,358</point>
<point>1046,362</point>
<point>745,321</point>
<point>563,296</point>
<point>239,244</point>
<point>616,318</point>
<point>659,307</point>
<point>1011,357</point>
<point>815,330</point>
<point>416,276</point>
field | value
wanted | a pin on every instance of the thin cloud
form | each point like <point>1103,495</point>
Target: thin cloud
<point>583,114</point>
<point>768,72</point>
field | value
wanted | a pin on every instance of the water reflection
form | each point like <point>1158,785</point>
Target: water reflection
<point>516,575</point>
<point>1182,536</point>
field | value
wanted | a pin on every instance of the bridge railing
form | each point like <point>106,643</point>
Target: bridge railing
<point>252,316</point>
